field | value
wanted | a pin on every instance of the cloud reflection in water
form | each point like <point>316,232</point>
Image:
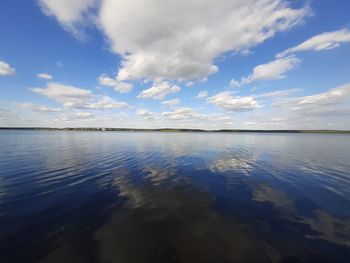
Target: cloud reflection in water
<point>176,223</point>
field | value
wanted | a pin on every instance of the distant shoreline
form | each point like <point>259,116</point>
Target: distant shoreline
<point>178,130</point>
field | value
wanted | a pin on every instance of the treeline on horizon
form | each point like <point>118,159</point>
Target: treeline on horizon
<point>173,130</point>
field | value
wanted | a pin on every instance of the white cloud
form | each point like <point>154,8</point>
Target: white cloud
<point>106,81</point>
<point>325,110</point>
<point>277,93</point>
<point>235,83</point>
<point>185,117</point>
<point>325,41</point>
<point>285,61</point>
<point>333,101</point>
<point>146,114</point>
<point>159,90</point>
<point>38,108</point>
<point>226,101</point>
<point>83,115</point>
<point>202,94</point>
<point>173,40</point>
<point>72,15</point>
<point>171,103</point>
<point>3,113</point>
<point>44,76</point>
<point>333,96</point>
<point>180,114</point>
<point>6,69</point>
<point>249,123</point>
<point>191,115</point>
<point>88,119</point>
<point>77,98</point>
<point>157,43</point>
<point>62,93</point>
<point>122,87</point>
<point>272,70</point>
<point>75,116</point>
<point>99,103</point>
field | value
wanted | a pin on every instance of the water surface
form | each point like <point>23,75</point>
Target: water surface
<point>174,197</point>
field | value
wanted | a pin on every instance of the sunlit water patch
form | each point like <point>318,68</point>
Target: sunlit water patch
<point>174,197</point>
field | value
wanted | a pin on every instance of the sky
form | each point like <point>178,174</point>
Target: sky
<point>224,64</point>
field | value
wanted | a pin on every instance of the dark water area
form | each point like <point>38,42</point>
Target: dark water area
<point>173,197</point>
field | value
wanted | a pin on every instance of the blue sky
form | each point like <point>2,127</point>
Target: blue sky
<point>255,64</point>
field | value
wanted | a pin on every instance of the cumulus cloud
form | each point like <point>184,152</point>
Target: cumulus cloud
<point>122,87</point>
<point>77,98</point>
<point>272,70</point>
<point>72,15</point>
<point>173,40</point>
<point>44,76</point>
<point>159,90</point>
<point>226,101</point>
<point>6,69</point>
<point>38,108</point>
<point>324,41</point>
<point>146,114</point>
<point>171,103</point>
<point>202,94</point>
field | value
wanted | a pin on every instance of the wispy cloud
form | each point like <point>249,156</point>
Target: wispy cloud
<point>334,101</point>
<point>44,76</point>
<point>325,110</point>
<point>38,107</point>
<point>277,93</point>
<point>190,114</point>
<point>272,70</point>
<point>77,98</point>
<point>171,103</point>
<point>202,94</point>
<point>324,41</point>
<point>159,90</point>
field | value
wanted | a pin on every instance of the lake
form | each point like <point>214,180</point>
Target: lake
<point>69,196</point>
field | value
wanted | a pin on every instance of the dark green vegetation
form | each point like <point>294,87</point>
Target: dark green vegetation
<point>174,130</point>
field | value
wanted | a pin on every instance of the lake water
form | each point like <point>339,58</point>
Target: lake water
<point>173,197</point>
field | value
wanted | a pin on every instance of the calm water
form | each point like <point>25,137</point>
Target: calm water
<point>173,197</point>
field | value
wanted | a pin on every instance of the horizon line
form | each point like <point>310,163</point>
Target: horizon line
<point>178,129</point>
